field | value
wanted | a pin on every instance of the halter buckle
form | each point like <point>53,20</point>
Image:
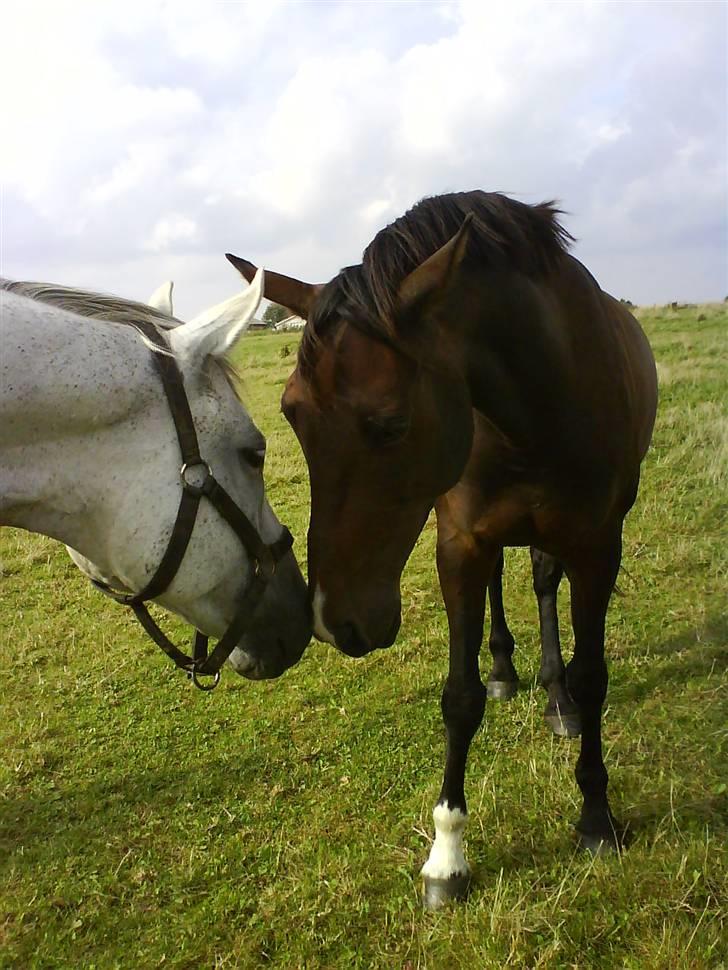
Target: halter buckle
<point>190,486</point>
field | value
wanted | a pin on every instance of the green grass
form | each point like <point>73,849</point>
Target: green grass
<point>144,824</point>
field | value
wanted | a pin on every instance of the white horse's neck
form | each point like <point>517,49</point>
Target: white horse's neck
<point>72,390</point>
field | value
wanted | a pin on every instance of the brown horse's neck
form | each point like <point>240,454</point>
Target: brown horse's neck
<point>542,364</point>
<point>514,358</point>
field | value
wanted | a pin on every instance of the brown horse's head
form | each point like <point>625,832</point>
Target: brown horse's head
<point>384,434</point>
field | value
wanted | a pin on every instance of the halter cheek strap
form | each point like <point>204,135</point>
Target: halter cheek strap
<point>263,556</point>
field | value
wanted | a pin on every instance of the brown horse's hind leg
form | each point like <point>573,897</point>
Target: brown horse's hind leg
<point>592,580</point>
<point>561,714</point>
<point>464,568</point>
<point>503,679</point>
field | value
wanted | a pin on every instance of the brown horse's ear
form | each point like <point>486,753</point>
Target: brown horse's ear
<point>296,296</point>
<point>437,271</point>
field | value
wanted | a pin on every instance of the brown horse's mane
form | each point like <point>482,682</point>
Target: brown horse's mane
<point>526,237</point>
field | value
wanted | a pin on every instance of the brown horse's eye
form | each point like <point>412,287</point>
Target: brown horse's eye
<point>382,430</point>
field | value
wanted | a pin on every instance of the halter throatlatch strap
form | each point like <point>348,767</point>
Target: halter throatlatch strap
<point>264,557</point>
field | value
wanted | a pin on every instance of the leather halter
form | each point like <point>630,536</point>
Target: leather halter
<point>264,557</point>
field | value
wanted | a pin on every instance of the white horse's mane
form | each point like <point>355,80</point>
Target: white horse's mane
<point>111,309</point>
<point>98,306</point>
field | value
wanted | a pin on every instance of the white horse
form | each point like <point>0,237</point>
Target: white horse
<point>89,455</point>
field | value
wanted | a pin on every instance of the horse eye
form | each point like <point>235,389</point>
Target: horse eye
<point>255,457</point>
<point>385,430</point>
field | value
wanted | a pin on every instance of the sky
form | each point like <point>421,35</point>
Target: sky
<point>140,141</point>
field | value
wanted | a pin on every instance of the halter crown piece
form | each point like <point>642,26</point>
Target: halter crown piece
<point>264,557</point>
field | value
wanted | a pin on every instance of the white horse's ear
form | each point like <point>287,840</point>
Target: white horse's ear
<point>212,333</point>
<point>161,299</point>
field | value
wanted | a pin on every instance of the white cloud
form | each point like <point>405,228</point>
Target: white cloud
<point>143,161</point>
<point>376,210</point>
<point>168,230</point>
<point>156,136</point>
<point>612,132</point>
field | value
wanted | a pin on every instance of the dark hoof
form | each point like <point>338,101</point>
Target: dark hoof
<point>563,725</point>
<point>439,892</point>
<point>599,845</point>
<point>502,690</point>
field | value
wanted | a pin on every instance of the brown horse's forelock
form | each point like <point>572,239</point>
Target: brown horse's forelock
<point>528,238</point>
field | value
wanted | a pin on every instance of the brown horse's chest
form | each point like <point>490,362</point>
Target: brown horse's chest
<point>521,516</point>
<point>509,496</point>
<point>504,503</point>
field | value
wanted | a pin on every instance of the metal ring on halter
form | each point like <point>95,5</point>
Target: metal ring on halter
<point>193,675</point>
<point>188,486</point>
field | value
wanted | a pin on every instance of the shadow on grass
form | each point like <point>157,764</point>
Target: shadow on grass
<point>699,819</point>
<point>688,655</point>
<point>542,854</point>
<point>692,815</point>
<point>88,815</point>
<point>37,816</point>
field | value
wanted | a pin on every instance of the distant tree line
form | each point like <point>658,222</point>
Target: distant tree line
<point>274,313</point>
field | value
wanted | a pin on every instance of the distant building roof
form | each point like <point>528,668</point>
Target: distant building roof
<point>290,323</point>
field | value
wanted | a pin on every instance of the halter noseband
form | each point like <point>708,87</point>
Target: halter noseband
<point>264,557</point>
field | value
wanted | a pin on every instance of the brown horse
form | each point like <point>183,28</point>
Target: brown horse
<point>471,364</point>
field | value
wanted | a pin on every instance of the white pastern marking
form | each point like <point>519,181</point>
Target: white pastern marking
<point>446,856</point>
<point>319,627</point>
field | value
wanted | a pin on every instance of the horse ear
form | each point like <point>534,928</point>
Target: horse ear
<point>213,332</point>
<point>161,299</point>
<point>296,296</point>
<point>437,272</point>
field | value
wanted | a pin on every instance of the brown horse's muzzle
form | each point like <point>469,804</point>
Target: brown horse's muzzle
<point>354,642</point>
<point>358,626</point>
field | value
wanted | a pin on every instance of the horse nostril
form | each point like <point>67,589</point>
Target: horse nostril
<point>350,640</point>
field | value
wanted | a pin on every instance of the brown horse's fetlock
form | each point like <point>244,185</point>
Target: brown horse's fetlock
<point>598,832</point>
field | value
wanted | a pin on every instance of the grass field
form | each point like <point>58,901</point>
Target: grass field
<point>145,824</point>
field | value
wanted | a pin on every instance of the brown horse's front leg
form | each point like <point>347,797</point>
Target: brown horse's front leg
<point>464,567</point>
